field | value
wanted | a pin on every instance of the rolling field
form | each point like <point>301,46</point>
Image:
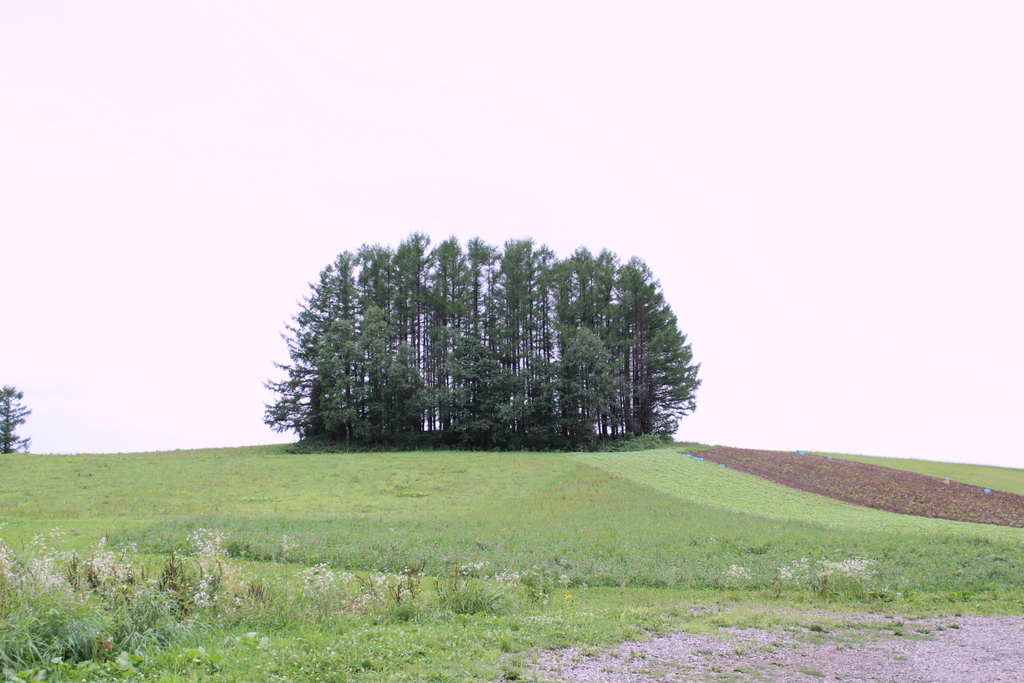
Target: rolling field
<point>876,487</point>
<point>707,484</point>
<point>452,566</point>
<point>1006,479</point>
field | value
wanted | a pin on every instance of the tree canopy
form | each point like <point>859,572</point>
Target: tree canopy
<point>483,347</point>
<point>12,416</point>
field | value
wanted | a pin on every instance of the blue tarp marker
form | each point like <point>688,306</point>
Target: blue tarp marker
<point>830,457</point>
<point>699,459</point>
<point>988,490</point>
<point>687,455</point>
<point>721,465</point>
<point>799,452</point>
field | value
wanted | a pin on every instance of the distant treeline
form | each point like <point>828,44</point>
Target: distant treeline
<point>483,348</point>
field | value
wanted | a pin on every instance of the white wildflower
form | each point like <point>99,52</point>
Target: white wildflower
<point>287,546</point>
<point>318,580</point>
<point>798,570</point>
<point>509,578</point>
<point>106,568</point>
<point>854,568</point>
<point>6,565</point>
<point>44,574</point>
<point>208,543</point>
<point>472,568</point>
<point>737,573</point>
<point>220,580</point>
<point>203,596</point>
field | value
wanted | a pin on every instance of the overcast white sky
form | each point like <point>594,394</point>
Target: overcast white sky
<point>832,195</point>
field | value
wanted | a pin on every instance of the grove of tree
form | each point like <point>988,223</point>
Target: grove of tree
<point>483,347</point>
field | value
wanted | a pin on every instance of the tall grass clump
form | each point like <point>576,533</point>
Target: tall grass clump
<point>57,606</point>
<point>321,594</point>
<point>847,580</point>
<point>461,591</point>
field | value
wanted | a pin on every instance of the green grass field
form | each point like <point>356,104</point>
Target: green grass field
<point>554,549</point>
<point>709,485</point>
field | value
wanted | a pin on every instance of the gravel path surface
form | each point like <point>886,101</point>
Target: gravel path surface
<point>868,650</point>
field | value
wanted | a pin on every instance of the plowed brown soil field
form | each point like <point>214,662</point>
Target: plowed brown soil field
<point>876,487</point>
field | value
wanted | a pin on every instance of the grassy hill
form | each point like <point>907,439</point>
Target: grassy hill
<point>706,484</point>
<point>649,518</point>
<point>578,547</point>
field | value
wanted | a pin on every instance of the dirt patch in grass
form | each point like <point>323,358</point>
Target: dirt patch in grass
<point>873,486</point>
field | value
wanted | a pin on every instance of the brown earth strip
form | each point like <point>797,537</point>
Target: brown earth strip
<point>873,486</point>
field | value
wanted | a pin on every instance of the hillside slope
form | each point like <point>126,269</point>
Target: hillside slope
<point>648,519</point>
<point>707,484</point>
<point>876,487</point>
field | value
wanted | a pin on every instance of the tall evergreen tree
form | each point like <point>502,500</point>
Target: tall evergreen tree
<point>657,382</point>
<point>480,391</point>
<point>586,300</point>
<point>586,291</point>
<point>375,361</point>
<point>449,290</point>
<point>513,298</point>
<point>12,416</point>
<point>301,403</point>
<point>411,268</point>
<point>406,396</point>
<point>481,258</point>
<point>587,385</point>
<point>341,382</point>
<point>376,280</point>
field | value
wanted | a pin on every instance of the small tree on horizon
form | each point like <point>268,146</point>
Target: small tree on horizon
<point>12,416</point>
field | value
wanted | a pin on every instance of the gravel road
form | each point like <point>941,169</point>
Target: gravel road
<point>862,650</point>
